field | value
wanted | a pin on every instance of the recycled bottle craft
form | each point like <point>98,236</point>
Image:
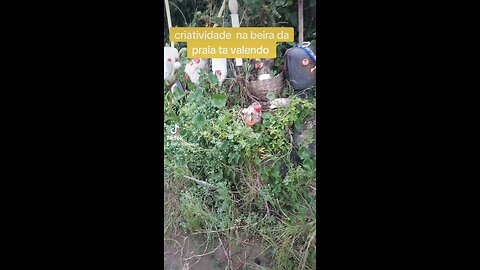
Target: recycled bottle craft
<point>171,63</point>
<point>219,68</point>
<point>193,68</point>
<point>301,61</point>
<point>301,67</point>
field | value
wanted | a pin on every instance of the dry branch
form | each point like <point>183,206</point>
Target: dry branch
<point>200,182</point>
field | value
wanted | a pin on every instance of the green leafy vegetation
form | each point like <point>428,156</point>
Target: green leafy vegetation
<point>247,166</point>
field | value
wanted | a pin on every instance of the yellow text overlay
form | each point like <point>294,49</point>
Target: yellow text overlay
<point>231,42</point>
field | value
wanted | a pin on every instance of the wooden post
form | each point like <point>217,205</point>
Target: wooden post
<point>233,6</point>
<point>300,22</point>
<point>169,21</point>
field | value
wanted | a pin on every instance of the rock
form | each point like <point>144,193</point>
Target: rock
<point>294,158</point>
<point>307,137</point>
<point>279,102</point>
<point>283,170</point>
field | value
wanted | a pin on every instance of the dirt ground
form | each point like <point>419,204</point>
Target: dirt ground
<point>182,252</point>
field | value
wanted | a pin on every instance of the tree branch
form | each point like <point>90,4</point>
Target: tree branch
<point>200,182</point>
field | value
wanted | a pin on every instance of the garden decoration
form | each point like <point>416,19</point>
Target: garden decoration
<point>219,65</point>
<point>301,60</point>
<point>253,114</point>
<point>193,68</point>
<point>263,67</point>
<point>219,68</point>
<point>264,83</point>
<point>171,56</point>
<point>170,64</point>
<point>263,86</point>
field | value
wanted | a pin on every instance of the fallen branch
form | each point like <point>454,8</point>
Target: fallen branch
<point>227,229</point>
<point>200,182</point>
<point>201,255</point>
<point>229,261</point>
